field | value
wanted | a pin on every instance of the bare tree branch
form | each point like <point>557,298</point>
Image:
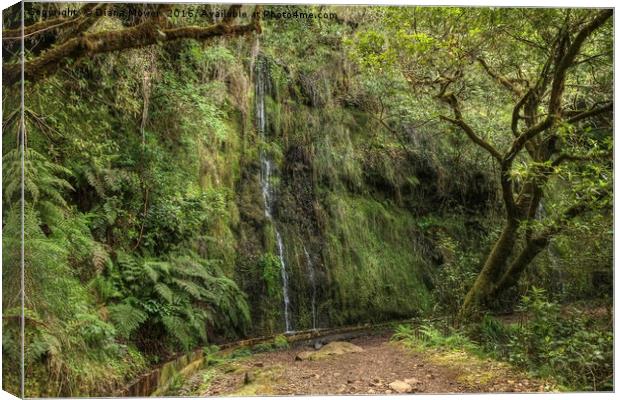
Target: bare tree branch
<point>591,113</point>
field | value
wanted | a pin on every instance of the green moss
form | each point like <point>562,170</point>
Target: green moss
<point>376,266</point>
<point>270,266</point>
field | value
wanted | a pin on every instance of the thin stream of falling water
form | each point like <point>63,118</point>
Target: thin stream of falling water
<point>552,253</point>
<point>284,274</point>
<point>313,282</point>
<point>266,186</point>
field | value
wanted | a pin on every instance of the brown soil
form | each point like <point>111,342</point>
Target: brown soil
<point>367,372</point>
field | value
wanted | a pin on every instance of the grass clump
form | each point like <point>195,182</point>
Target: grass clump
<point>568,347</point>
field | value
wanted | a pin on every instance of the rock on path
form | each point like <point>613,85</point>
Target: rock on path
<point>330,349</point>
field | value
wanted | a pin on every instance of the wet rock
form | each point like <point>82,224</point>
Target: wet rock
<point>400,387</point>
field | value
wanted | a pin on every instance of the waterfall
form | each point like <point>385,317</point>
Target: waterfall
<point>266,180</point>
<point>552,253</point>
<point>312,276</point>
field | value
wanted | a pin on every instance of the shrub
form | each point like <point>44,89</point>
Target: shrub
<point>454,278</point>
<point>574,350</point>
<point>240,353</point>
<point>280,342</point>
<point>492,335</point>
<point>263,347</point>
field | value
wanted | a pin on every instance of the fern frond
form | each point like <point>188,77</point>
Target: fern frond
<point>126,318</point>
<point>100,257</point>
<point>176,327</point>
<point>151,272</point>
<point>164,291</point>
<point>190,287</point>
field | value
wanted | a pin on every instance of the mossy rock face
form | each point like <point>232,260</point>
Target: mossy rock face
<point>330,349</point>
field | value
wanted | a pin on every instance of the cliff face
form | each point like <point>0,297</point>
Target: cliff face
<point>326,191</point>
<point>350,250</point>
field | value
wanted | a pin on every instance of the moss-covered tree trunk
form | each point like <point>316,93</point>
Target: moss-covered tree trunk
<point>515,270</point>
<point>491,271</point>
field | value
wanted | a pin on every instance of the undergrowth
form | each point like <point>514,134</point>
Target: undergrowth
<point>429,336</point>
<point>573,349</point>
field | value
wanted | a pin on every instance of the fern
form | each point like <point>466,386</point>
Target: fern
<point>164,291</point>
<point>176,327</point>
<point>189,287</point>
<point>100,257</point>
<point>126,318</point>
<point>104,289</point>
<point>183,292</point>
<point>151,272</point>
<point>43,186</point>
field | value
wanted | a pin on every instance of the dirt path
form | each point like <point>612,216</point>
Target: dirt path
<point>368,372</point>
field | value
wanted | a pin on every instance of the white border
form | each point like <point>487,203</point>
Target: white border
<point>484,3</point>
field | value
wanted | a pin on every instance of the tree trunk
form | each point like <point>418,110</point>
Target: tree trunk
<point>491,271</point>
<point>527,255</point>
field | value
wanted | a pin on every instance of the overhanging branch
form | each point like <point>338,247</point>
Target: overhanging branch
<point>580,157</point>
<point>144,34</point>
<point>43,26</point>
